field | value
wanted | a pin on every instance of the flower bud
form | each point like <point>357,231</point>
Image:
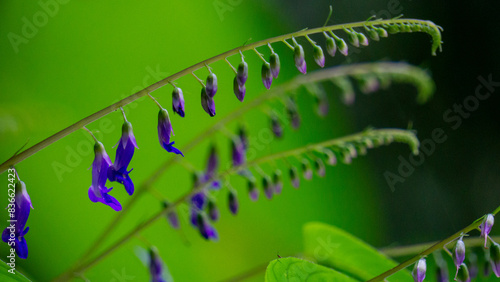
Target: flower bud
<point>300,61</point>
<point>233,202</point>
<point>253,192</point>
<point>294,177</point>
<point>331,159</point>
<point>293,114</point>
<point>393,28</point>
<point>353,38</point>
<point>342,46</point>
<point>319,166</point>
<point>416,27</point>
<point>381,32</point>
<point>267,77</point>
<point>239,89</point>
<point>486,226</point>
<point>463,273</point>
<point>172,217</point>
<point>213,211</point>
<point>274,61</point>
<point>372,33</point>
<point>419,270</point>
<point>242,134</point>
<point>306,169</point>
<point>276,127</point>
<point>207,102</point>
<point>266,186</point>
<point>459,254</point>
<point>318,55</point>
<point>331,47</point>
<point>178,101</point>
<point>238,152</point>
<point>207,231</point>
<point>211,86</point>
<point>277,183</point>
<point>495,259</point>
<point>242,73</point>
<point>362,39</point>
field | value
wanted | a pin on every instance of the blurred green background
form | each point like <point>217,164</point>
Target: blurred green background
<point>81,56</point>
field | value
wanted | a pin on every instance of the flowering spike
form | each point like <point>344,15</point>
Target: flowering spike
<point>459,254</point>
<point>165,131</point>
<point>486,226</point>
<point>22,208</point>
<point>267,76</point>
<point>276,127</point>
<point>178,101</point>
<point>419,270</point>
<point>274,61</point>
<point>253,192</point>
<point>172,217</point>
<point>242,73</point>
<point>318,55</point>
<point>319,166</point>
<point>277,183</point>
<point>125,150</point>
<point>331,47</point>
<point>495,259</point>
<point>213,211</point>
<point>233,202</point>
<point>211,86</point>
<point>294,177</point>
<point>98,192</point>
<point>207,102</point>
<point>463,273</point>
<point>239,89</point>
<point>238,152</point>
<point>300,61</point>
<point>267,187</point>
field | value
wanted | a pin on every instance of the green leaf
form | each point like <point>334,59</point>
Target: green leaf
<point>5,275</point>
<point>334,247</point>
<point>294,269</point>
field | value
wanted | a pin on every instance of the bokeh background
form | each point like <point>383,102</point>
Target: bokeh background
<point>85,55</point>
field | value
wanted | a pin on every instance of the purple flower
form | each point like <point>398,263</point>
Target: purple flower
<point>331,47</point>
<point>266,186</point>
<point>238,152</point>
<point>300,61</point>
<point>486,226</point>
<point>419,270</point>
<point>125,150</point>
<point>165,131</point>
<point>267,76</point>
<point>495,259</point>
<point>207,102</point>
<point>172,217</point>
<point>274,61</point>
<point>277,183</point>
<point>306,169</point>
<point>98,192</point>
<point>276,127</point>
<point>213,211</point>
<point>199,200</point>
<point>212,164</point>
<point>233,202</point>
<point>207,231</point>
<point>239,89</point>
<point>178,101</point>
<point>294,177</point>
<point>14,234</point>
<point>459,254</point>
<point>253,192</point>
<point>157,269</point>
<point>463,273</point>
<point>211,86</point>
<point>242,74</point>
<point>318,55</point>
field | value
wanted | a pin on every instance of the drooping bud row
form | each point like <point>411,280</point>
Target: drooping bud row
<point>178,101</point>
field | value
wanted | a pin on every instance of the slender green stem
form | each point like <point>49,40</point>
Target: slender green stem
<point>437,246</point>
<point>95,116</point>
<point>338,141</point>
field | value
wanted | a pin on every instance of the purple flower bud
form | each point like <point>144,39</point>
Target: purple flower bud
<point>253,192</point>
<point>342,46</point>
<point>274,61</point>
<point>459,254</point>
<point>22,208</point>
<point>125,150</point>
<point>212,164</point>
<point>276,126</point>
<point>331,159</point>
<point>242,74</point>
<point>199,200</point>
<point>331,47</point>
<point>381,32</point>
<point>300,61</point>
<point>267,76</point>
<point>266,186</point>
<point>419,270</point>
<point>319,166</point>
<point>353,38</point>
<point>463,273</point>
<point>165,131</point>
<point>372,33</point>
<point>242,134</point>
<point>156,266</point>
<point>211,85</point>
<point>207,102</point>
<point>207,231</point>
<point>362,39</point>
<point>98,192</point>
<point>307,172</point>
<point>172,217</point>
<point>351,150</point>
<point>238,152</point>
<point>495,259</point>
<point>213,211</point>
<point>294,177</point>
<point>277,183</point>
<point>239,89</point>
<point>178,101</point>
<point>233,202</point>
<point>486,226</point>
<point>318,55</point>
<point>293,114</point>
